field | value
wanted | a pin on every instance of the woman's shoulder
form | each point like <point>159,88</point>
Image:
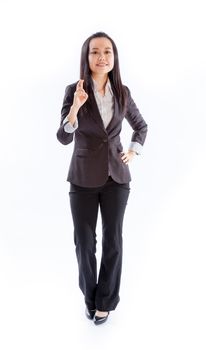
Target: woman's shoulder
<point>126,91</point>
<point>125,87</point>
<point>70,88</point>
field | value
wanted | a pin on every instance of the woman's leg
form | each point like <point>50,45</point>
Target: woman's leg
<point>113,201</point>
<point>84,209</point>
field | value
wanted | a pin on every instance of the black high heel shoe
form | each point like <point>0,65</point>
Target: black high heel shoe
<point>90,313</point>
<point>99,320</point>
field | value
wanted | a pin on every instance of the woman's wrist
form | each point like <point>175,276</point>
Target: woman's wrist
<point>74,109</point>
<point>72,116</point>
<point>132,151</point>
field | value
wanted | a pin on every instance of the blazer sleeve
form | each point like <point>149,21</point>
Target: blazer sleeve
<point>64,137</point>
<point>136,120</point>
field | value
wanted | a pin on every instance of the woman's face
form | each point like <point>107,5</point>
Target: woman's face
<point>101,56</point>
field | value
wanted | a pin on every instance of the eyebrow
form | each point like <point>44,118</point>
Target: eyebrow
<point>96,48</point>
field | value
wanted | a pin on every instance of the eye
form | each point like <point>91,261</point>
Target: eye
<point>93,52</point>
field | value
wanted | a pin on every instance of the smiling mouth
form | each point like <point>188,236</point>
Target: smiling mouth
<point>102,65</point>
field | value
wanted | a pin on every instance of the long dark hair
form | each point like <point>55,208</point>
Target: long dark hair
<point>114,74</point>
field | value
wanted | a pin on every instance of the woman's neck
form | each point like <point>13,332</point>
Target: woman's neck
<point>101,81</point>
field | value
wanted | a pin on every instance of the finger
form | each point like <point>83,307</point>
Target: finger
<point>125,160</point>
<point>80,84</point>
<point>124,156</point>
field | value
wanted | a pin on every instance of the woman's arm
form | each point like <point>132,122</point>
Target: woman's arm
<point>64,137</point>
<point>136,121</point>
<point>75,97</point>
<point>139,126</point>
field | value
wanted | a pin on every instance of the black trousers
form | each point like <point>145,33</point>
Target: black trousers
<point>101,291</point>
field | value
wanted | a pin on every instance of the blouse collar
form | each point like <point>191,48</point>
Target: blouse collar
<point>108,87</point>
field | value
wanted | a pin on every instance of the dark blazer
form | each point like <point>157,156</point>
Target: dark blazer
<point>97,151</point>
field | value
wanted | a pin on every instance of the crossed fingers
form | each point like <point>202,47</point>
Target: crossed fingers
<point>80,85</point>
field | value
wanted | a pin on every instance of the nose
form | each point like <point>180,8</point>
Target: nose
<point>101,57</point>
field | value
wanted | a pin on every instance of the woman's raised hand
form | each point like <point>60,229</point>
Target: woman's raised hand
<point>80,95</point>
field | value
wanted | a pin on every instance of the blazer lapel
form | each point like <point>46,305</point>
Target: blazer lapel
<point>93,110</point>
<point>115,119</point>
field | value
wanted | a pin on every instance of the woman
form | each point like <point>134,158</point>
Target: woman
<point>92,114</point>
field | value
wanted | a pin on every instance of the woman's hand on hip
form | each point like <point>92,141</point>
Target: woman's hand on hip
<point>127,156</point>
<point>80,95</point>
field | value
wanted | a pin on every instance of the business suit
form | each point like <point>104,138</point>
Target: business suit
<point>97,148</point>
<point>99,179</point>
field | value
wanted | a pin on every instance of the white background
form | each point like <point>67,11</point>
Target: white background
<point>162,59</point>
